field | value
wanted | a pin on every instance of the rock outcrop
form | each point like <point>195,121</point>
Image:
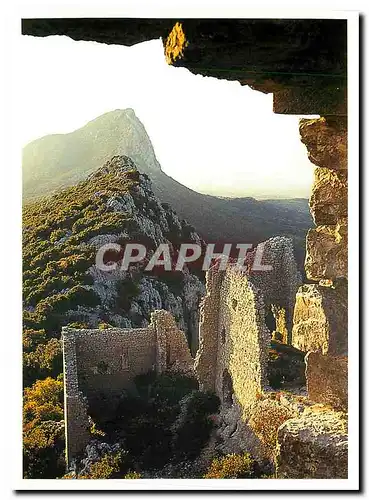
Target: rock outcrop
<point>152,225</point>
<point>65,232</point>
<point>320,319</point>
<point>313,446</point>
<point>326,245</point>
<point>302,61</point>
<point>327,380</point>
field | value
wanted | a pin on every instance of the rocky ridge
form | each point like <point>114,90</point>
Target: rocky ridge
<point>115,205</point>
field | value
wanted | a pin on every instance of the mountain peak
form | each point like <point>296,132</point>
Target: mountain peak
<point>119,164</point>
<point>60,160</point>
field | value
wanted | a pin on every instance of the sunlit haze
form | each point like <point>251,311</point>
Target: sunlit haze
<point>214,136</point>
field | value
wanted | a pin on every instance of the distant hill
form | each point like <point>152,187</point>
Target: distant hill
<point>57,161</point>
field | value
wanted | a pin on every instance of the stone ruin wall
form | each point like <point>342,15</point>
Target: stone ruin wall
<point>320,317</point>
<point>205,361</point>
<point>233,356</point>
<point>75,404</point>
<point>279,285</point>
<point>233,335</point>
<point>107,361</point>
<point>234,344</point>
<point>243,339</point>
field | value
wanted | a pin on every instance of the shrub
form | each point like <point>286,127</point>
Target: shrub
<point>108,467</point>
<point>231,467</point>
<point>44,400</point>
<point>132,475</point>
<point>43,451</point>
<point>126,291</point>
<point>45,360</point>
<point>172,387</point>
<point>104,326</point>
<point>193,426</point>
<point>145,422</point>
<point>78,325</point>
<point>33,338</point>
<point>265,420</point>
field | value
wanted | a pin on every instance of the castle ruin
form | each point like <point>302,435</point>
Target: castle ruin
<point>303,63</point>
<point>232,361</point>
<point>105,362</point>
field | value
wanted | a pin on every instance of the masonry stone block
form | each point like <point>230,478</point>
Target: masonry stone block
<point>320,319</point>
<point>326,141</point>
<point>327,380</point>
<point>328,201</point>
<point>327,252</point>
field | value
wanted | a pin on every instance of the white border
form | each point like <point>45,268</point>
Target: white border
<point>11,195</point>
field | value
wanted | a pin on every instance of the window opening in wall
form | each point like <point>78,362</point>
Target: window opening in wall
<point>227,389</point>
<point>124,360</point>
<point>234,304</point>
<point>270,320</point>
<point>223,335</point>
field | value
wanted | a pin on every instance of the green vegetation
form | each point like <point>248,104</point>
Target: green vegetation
<point>55,260</point>
<point>43,429</point>
<point>56,287</point>
<point>232,467</point>
<point>108,467</point>
<point>166,422</point>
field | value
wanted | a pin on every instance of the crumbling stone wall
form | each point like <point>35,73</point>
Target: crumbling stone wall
<point>205,362</point>
<point>75,405</point>
<point>172,345</point>
<point>320,316</point>
<point>233,334</point>
<point>107,361</point>
<point>280,284</point>
<point>326,245</point>
<point>232,355</point>
<point>242,350</point>
<point>316,446</point>
<point>232,361</point>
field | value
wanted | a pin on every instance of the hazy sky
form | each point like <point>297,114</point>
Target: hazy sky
<point>212,135</point>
